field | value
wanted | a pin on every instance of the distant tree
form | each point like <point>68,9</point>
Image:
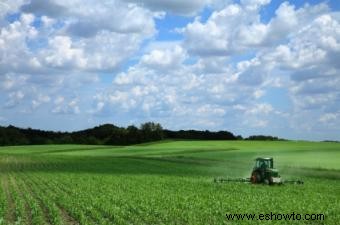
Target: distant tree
<point>263,138</point>
<point>13,136</point>
<point>239,137</point>
<point>65,139</point>
<point>3,137</point>
<point>199,135</point>
<point>133,134</point>
<point>151,131</point>
<point>91,140</point>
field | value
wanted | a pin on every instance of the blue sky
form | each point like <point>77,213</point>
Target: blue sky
<point>247,66</point>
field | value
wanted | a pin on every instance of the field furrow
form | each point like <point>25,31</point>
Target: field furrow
<point>36,213</point>
<point>10,209</point>
<point>94,200</point>
<point>102,203</point>
<point>64,201</point>
<point>67,218</point>
<point>43,206</point>
<point>2,201</point>
<point>21,203</point>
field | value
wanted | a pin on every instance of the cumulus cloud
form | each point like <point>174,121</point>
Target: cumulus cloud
<point>52,47</point>
<point>11,81</point>
<point>115,16</point>
<point>163,86</point>
<point>175,6</point>
<point>214,36</point>
<point>238,28</point>
<point>308,61</point>
<point>44,7</point>
<point>14,53</point>
<point>309,58</point>
<point>165,58</point>
<point>14,98</point>
<point>263,108</point>
<point>74,37</point>
<point>63,106</point>
<point>329,117</point>
<point>8,7</point>
<point>62,54</point>
<point>254,4</point>
<point>39,100</point>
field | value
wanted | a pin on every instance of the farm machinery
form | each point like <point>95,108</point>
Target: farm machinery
<point>262,173</point>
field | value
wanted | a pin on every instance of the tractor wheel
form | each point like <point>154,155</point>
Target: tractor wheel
<point>255,178</point>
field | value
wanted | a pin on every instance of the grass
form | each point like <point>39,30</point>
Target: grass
<point>164,183</point>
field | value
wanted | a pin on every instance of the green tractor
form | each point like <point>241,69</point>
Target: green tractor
<point>264,172</point>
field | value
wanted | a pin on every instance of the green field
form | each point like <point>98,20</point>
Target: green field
<point>165,183</point>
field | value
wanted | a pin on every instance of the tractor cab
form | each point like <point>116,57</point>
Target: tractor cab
<point>264,172</point>
<point>264,163</point>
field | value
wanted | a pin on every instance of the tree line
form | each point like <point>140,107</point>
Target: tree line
<point>263,138</point>
<point>109,134</point>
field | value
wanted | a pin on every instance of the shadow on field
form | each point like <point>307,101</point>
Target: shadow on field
<point>109,165</point>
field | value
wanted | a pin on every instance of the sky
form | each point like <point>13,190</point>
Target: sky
<point>246,66</point>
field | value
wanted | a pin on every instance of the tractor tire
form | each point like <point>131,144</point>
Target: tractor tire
<point>255,178</point>
<point>259,178</point>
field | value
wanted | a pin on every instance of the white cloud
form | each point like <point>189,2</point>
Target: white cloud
<point>256,123</point>
<point>259,93</point>
<point>177,91</point>
<point>62,53</point>
<point>309,58</point>
<point>66,107</point>
<point>213,37</point>
<point>9,6</point>
<point>59,100</point>
<point>11,81</point>
<point>263,108</point>
<point>77,38</point>
<point>39,100</point>
<point>164,58</point>
<point>174,6</point>
<point>254,4</point>
<point>237,28</point>
<point>213,65</point>
<point>14,53</point>
<point>14,98</point>
<point>47,21</point>
<point>328,117</point>
<point>44,7</point>
<point>115,16</point>
<point>288,21</point>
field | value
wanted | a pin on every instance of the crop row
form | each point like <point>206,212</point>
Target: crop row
<point>60,193</point>
<point>3,202</point>
<point>104,199</point>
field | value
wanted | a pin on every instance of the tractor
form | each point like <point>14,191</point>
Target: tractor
<point>264,172</point>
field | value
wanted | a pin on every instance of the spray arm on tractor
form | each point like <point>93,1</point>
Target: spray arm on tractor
<point>262,173</point>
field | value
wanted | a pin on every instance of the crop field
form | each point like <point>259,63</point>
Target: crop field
<point>168,182</point>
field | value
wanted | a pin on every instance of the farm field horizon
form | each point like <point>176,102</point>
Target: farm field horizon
<point>167,182</point>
